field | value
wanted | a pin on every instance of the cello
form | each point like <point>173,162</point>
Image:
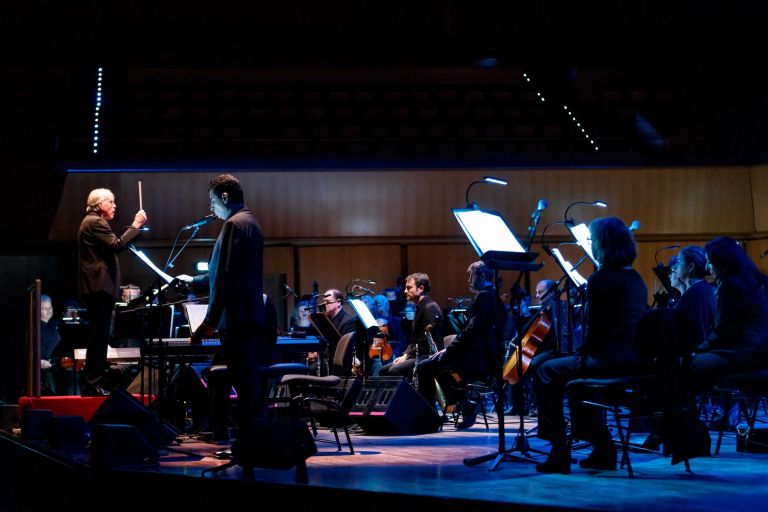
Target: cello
<point>380,346</point>
<point>535,332</point>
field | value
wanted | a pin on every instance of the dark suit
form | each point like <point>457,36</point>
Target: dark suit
<point>428,312</point>
<point>236,307</point>
<point>99,284</point>
<point>474,354</point>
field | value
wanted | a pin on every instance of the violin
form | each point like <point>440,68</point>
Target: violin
<point>534,336</point>
<point>380,346</point>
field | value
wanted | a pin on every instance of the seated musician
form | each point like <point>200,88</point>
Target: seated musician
<point>428,313</point>
<point>616,296</point>
<point>739,341</point>
<point>333,307</point>
<point>523,396</point>
<point>476,351</point>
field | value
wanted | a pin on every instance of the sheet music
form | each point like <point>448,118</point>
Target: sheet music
<point>581,234</point>
<point>364,313</point>
<point>143,257</point>
<point>195,314</point>
<point>571,272</point>
<point>488,232</point>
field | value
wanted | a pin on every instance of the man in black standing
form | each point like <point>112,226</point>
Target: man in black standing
<point>99,279</point>
<point>236,306</point>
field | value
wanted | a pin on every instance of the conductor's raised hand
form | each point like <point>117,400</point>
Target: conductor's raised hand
<point>139,219</point>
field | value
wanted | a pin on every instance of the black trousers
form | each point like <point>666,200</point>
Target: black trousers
<point>551,378</point>
<point>101,307</point>
<point>245,351</point>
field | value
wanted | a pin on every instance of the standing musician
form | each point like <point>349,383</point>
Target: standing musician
<point>616,296</point>
<point>475,353</point>
<point>236,304</point>
<point>428,313</point>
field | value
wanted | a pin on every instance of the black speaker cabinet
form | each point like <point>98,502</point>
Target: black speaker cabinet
<point>115,445</point>
<point>122,408</point>
<point>390,406</point>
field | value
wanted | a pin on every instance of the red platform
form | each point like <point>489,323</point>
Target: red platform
<point>84,406</point>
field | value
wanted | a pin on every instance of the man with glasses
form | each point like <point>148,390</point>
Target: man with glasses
<point>99,279</point>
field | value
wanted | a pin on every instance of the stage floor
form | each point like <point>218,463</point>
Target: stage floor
<point>390,472</point>
<point>432,465</point>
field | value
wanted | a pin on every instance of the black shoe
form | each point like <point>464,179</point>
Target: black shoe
<point>93,390</point>
<point>468,414</point>
<point>558,461</point>
<point>225,454</point>
<point>652,442</point>
<point>602,457</point>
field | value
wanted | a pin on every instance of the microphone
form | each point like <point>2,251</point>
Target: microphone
<point>635,225</point>
<point>363,288</point>
<point>290,290</point>
<point>540,207</point>
<point>199,223</point>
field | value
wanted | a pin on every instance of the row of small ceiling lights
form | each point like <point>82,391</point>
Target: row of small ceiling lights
<point>96,113</point>
<point>570,114</point>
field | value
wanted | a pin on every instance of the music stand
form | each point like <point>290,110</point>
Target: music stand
<point>147,300</point>
<point>572,279</point>
<point>580,232</point>
<point>329,332</point>
<point>369,322</point>
<point>499,249</point>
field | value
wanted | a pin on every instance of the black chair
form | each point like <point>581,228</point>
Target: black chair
<point>327,399</point>
<point>748,391</point>
<point>220,386</point>
<point>660,397</point>
<point>478,390</point>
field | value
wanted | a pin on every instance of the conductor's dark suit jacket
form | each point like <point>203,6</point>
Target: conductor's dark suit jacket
<point>97,248</point>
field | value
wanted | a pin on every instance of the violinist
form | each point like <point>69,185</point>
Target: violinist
<point>616,299</point>
<point>697,297</point>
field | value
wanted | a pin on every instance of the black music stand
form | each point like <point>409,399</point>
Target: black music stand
<point>153,298</point>
<point>329,333</point>
<point>369,322</point>
<point>499,249</point>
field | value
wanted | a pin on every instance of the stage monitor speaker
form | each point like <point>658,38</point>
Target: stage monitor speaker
<point>35,424</point>
<point>390,406</point>
<point>120,407</point>
<point>68,433</point>
<point>115,445</point>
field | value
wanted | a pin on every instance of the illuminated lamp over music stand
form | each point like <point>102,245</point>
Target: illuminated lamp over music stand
<point>485,179</point>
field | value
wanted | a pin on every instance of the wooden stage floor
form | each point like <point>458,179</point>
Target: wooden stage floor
<point>388,472</point>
